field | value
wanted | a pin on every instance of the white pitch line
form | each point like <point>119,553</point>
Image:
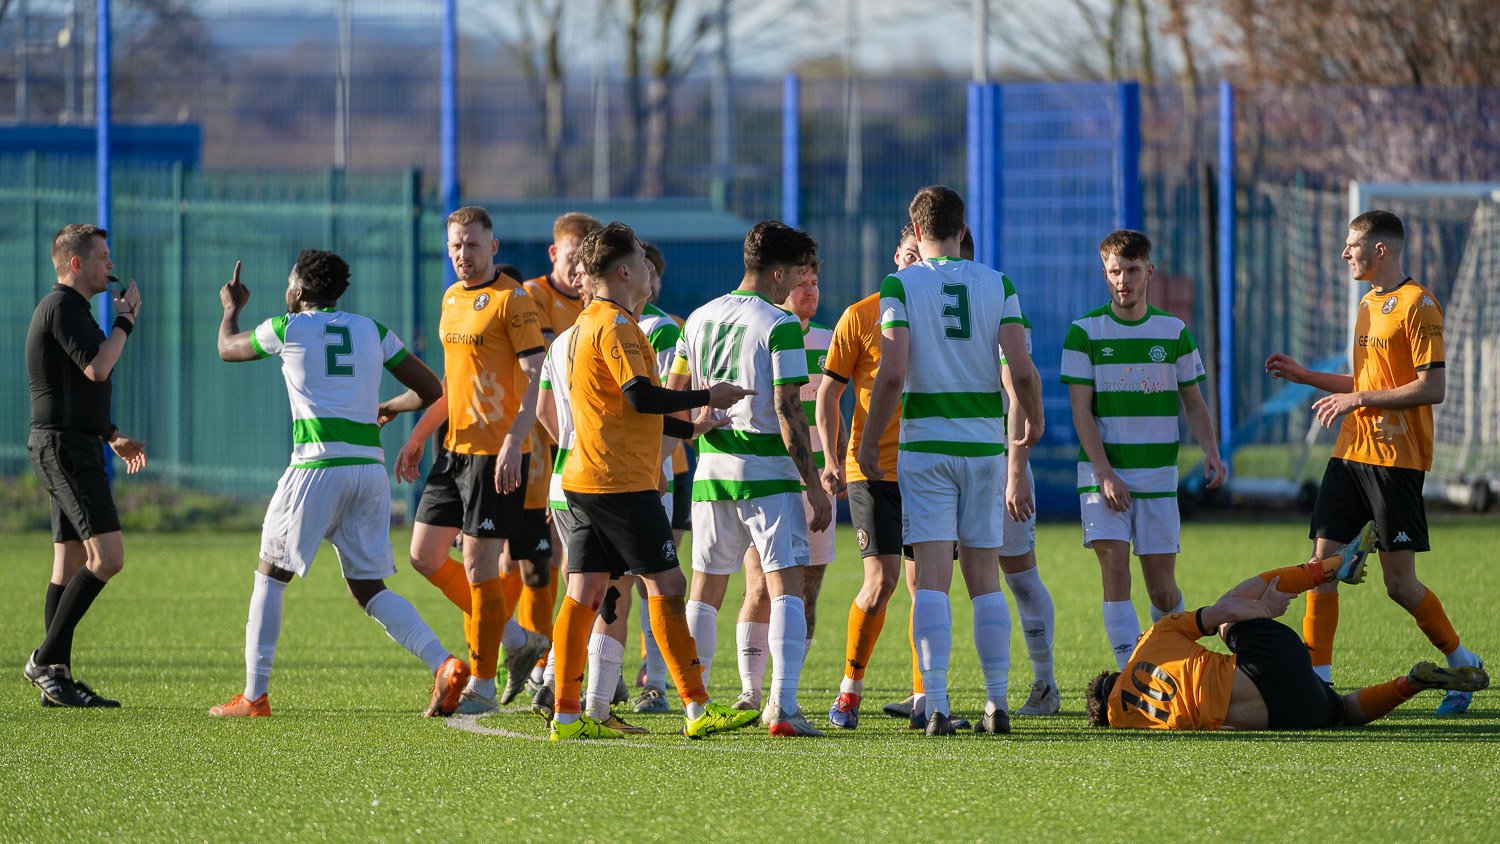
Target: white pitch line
<point>470,724</point>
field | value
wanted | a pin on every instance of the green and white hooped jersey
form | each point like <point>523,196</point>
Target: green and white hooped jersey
<point>952,403</point>
<point>555,378</point>
<point>745,339</point>
<point>815,340</point>
<point>662,331</point>
<point>331,361</point>
<point>1136,369</point>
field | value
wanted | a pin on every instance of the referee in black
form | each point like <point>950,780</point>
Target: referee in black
<point>68,361</point>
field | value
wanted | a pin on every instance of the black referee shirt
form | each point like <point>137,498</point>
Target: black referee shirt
<point>63,339</point>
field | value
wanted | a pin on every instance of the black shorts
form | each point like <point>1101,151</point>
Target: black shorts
<point>619,533</point>
<point>460,493</point>
<point>1273,656</point>
<point>682,501</point>
<point>533,539</point>
<point>875,510</point>
<point>1354,493</point>
<point>70,465</point>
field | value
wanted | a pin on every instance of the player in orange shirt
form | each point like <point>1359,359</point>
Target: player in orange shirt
<point>612,483</point>
<point>492,352</point>
<point>535,578</point>
<point>1173,683</point>
<point>874,506</point>
<point>558,299</point>
<point>1384,448</point>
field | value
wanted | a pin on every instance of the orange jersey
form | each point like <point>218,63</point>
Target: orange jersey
<point>1171,681</point>
<point>539,473</point>
<point>559,311</point>
<point>615,448</point>
<point>679,459</point>
<point>1397,334</point>
<point>485,331</point>
<point>853,357</point>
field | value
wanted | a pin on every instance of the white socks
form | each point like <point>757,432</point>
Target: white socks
<point>1158,615</point>
<point>932,627</point>
<point>606,658</point>
<point>1461,657</point>
<point>1122,627</point>
<point>402,623</point>
<point>261,632</point>
<point>703,623</point>
<point>788,640</point>
<point>656,664</point>
<point>752,640</point>
<point>514,635</point>
<point>992,640</point>
<point>1034,604</point>
<point>549,672</point>
<point>852,686</point>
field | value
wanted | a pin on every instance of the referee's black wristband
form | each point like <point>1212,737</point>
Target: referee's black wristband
<point>124,325</point>
<point>680,428</point>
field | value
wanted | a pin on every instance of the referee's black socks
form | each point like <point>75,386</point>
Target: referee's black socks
<point>76,598</point>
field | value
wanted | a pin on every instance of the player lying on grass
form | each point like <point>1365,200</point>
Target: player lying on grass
<point>336,487</point>
<point>1173,683</point>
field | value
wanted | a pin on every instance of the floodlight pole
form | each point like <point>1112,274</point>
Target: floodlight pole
<point>104,308</point>
<point>448,107</point>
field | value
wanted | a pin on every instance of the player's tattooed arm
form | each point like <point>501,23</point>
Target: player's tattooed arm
<point>798,442</point>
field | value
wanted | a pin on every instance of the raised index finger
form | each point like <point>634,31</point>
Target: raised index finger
<point>235,279</point>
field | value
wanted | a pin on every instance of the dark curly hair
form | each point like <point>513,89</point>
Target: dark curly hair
<point>773,242</point>
<point>1096,697</point>
<point>323,276</point>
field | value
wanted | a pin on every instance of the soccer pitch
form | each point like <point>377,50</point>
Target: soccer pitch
<point>347,756</point>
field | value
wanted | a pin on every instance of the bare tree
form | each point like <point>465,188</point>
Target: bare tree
<point>542,63</point>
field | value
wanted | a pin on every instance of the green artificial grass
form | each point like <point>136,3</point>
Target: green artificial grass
<point>347,756</point>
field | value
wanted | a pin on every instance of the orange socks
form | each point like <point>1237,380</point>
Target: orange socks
<point>669,626</point>
<point>574,622</point>
<point>489,624</point>
<point>1319,625</point>
<point>534,611</point>
<point>1378,701</point>
<point>916,665</point>
<point>454,584</point>
<point>864,630</point>
<point>1435,624</point>
<point>513,586</point>
<point>1295,579</point>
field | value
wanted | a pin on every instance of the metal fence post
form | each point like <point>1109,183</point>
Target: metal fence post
<point>791,150</point>
<point>1226,262</point>
<point>1128,158</point>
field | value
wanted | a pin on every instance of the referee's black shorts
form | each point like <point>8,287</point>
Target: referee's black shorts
<point>70,465</point>
<point>1353,493</point>
<point>1273,656</point>
<point>618,533</point>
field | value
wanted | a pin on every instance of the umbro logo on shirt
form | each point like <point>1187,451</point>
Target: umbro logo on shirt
<point>1107,352</point>
<point>487,524</point>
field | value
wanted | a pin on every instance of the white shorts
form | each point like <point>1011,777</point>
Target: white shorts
<point>1020,537</point>
<point>350,506</point>
<point>1150,525</point>
<point>775,525</point>
<point>946,498</point>
<point>819,545</point>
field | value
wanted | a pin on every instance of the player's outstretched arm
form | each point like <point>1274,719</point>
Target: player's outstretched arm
<point>409,458</point>
<point>1202,425</point>
<point>234,345</point>
<point>1116,494</point>
<point>422,389</point>
<point>1430,387</point>
<point>1286,367</point>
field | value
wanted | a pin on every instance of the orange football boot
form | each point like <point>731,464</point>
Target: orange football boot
<point>447,687</point>
<point>240,706</point>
